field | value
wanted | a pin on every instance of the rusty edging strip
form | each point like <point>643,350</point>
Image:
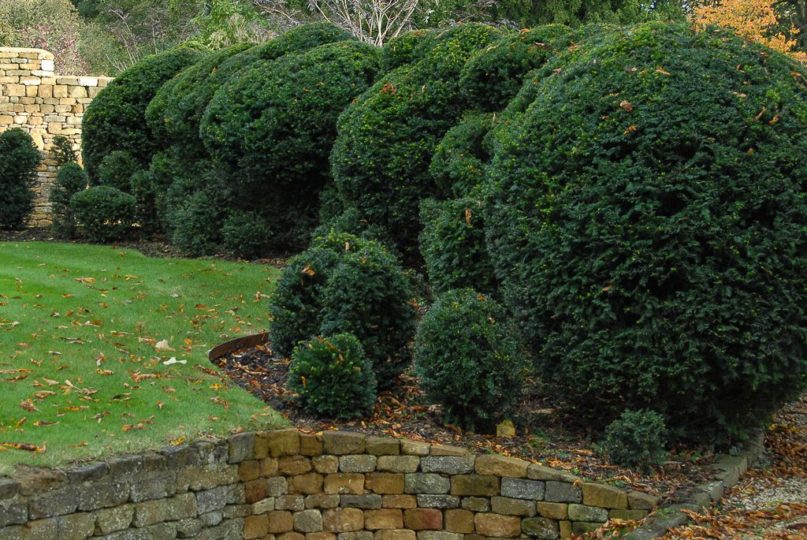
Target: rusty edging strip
<point>245,342</point>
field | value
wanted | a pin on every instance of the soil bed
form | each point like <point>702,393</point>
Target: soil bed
<point>544,435</point>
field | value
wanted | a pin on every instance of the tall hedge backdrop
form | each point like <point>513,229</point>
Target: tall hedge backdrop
<point>626,204</point>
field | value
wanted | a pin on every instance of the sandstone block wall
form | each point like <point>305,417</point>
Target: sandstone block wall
<point>33,97</point>
<point>284,485</point>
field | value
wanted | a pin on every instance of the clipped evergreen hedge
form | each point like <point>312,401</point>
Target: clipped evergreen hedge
<point>493,76</point>
<point>275,125</point>
<point>19,159</point>
<point>70,179</point>
<point>468,359</point>
<point>104,213</point>
<point>115,119</point>
<point>460,159</point>
<point>343,283</point>
<point>333,377</point>
<point>452,244</point>
<point>648,217</point>
<point>387,137</point>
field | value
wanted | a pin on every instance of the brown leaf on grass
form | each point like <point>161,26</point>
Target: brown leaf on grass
<point>23,446</point>
<point>28,405</point>
<point>86,280</point>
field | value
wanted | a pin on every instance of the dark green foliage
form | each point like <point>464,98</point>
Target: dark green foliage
<point>333,377</point>
<point>104,213</point>
<point>63,151</point>
<point>275,125</point>
<point>146,192</point>
<point>636,439</point>
<point>343,283</point>
<point>116,170</point>
<point>70,179</point>
<point>494,75</point>
<point>407,48</point>
<point>468,359</point>
<point>387,137</point>
<point>191,221</point>
<point>115,120</point>
<point>459,161</point>
<point>647,214</point>
<point>368,295</point>
<point>19,159</point>
<point>245,235</point>
<point>452,244</point>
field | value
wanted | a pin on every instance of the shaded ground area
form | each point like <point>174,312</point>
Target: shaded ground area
<point>770,502</point>
<point>543,435</point>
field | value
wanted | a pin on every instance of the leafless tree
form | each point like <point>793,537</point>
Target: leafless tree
<point>371,21</point>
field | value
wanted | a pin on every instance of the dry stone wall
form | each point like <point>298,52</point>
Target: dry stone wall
<point>285,485</point>
<point>33,97</point>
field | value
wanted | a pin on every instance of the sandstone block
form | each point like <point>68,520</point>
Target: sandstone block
<point>344,483</point>
<point>540,528</point>
<point>579,512</point>
<point>320,536</point>
<point>388,518</point>
<point>263,506</point>
<point>518,488</point>
<point>383,446</point>
<point>343,520</point>
<point>341,443</point>
<point>279,521</point>
<point>431,483</point>
<point>439,535</point>
<point>553,510</point>
<point>445,450</point>
<point>385,483</point>
<point>306,483</point>
<point>513,507</point>
<point>641,501</point>
<point>369,501</point>
<point>501,466</point>
<point>358,535</point>
<point>311,445</point>
<point>212,499</point>
<point>402,464</point>
<point>284,442</point>
<point>539,472</point>
<point>256,526</point>
<point>415,448</point>
<point>459,521</point>
<point>421,519</point>
<point>320,500</point>
<point>562,492</point>
<point>361,463</point>
<point>496,525</point>
<point>397,534</point>
<point>277,486</point>
<point>255,490</point>
<point>447,464</point>
<point>326,464</point>
<point>476,504</point>
<point>291,535</point>
<point>293,465</point>
<point>308,521</point>
<point>399,501</point>
<point>295,503</point>
<point>249,470</point>
<point>109,520</point>
<point>474,485</point>
<point>604,496</point>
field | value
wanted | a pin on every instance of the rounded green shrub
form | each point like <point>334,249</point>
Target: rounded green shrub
<point>70,179</point>
<point>191,221</point>
<point>245,235</point>
<point>115,119</point>
<point>636,439</point>
<point>116,170</point>
<point>343,283</point>
<point>19,159</point>
<point>333,377</point>
<point>368,294</point>
<point>468,359</point>
<point>104,213</point>
<point>452,244</point>
<point>647,216</point>
<point>387,137</point>
<point>493,76</point>
<point>407,48</point>
<point>63,151</point>
<point>459,161</point>
<point>275,124</point>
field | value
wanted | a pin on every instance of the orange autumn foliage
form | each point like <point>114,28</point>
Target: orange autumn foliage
<point>754,20</point>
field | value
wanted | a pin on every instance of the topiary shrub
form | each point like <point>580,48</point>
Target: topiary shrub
<point>459,161</point>
<point>63,152</point>
<point>493,76</point>
<point>368,295</point>
<point>19,159</point>
<point>452,244</point>
<point>636,439</point>
<point>343,283</point>
<point>104,213</point>
<point>387,137</point>
<point>245,235</point>
<point>116,170</point>
<point>115,119</point>
<point>70,179</point>
<point>275,124</point>
<point>147,192</point>
<point>468,359</point>
<point>647,215</point>
<point>191,231</point>
<point>407,48</point>
<point>333,377</point>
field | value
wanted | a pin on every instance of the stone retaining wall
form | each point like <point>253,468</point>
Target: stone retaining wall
<point>34,98</point>
<point>284,485</point>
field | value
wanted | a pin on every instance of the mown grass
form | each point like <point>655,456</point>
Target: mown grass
<point>83,372</point>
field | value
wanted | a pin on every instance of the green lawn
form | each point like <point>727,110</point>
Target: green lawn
<point>84,367</point>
